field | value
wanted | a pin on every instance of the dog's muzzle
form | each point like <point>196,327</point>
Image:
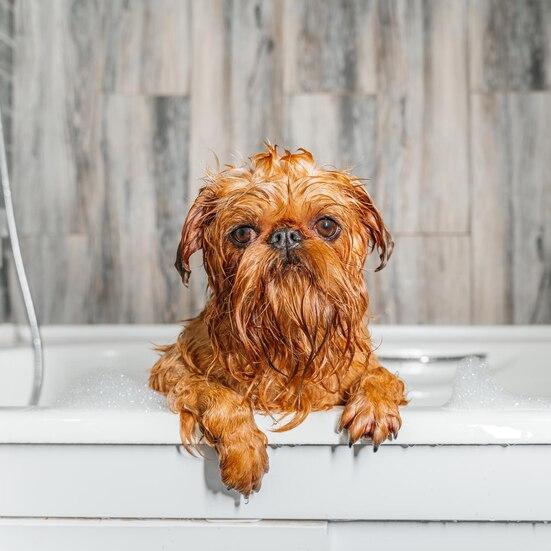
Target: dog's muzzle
<point>285,239</point>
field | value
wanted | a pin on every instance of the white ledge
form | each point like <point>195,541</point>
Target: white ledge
<point>420,426</point>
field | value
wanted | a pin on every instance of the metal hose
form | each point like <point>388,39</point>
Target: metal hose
<point>36,340</point>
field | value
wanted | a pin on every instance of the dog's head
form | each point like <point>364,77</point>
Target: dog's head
<point>284,244</point>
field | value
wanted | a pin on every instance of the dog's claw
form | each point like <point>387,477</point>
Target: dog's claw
<point>373,420</point>
<point>350,444</point>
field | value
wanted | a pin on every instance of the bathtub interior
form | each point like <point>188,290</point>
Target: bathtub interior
<point>99,367</point>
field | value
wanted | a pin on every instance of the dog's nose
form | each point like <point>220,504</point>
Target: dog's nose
<point>285,238</point>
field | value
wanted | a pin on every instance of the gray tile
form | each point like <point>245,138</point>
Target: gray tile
<point>426,281</point>
<point>529,45</point>
<point>5,299</point>
<point>422,159</point>
<point>210,121</point>
<point>148,46</point>
<point>331,46</point>
<point>530,206</point>
<point>338,130</point>
<point>144,166</point>
<point>56,109</point>
<point>7,125</point>
<point>6,55</point>
<point>109,151</point>
<point>492,299</point>
<point>400,47</point>
<point>256,69</point>
<point>510,45</point>
<point>488,44</point>
<point>511,216</point>
<point>6,92</point>
<point>171,174</point>
<point>6,19</point>
<point>59,271</point>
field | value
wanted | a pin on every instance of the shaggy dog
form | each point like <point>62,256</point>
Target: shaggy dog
<point>284,243</point>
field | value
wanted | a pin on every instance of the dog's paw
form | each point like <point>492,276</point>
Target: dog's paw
<point>377,420</point>
<point>244,461</point>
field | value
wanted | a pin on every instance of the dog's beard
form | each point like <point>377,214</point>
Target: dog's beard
<point>298,315</point>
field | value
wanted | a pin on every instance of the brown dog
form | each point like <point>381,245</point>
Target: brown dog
<point>284,243</point>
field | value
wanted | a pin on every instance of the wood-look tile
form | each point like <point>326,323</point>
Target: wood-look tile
<point>60,270</point>
<point>148,45</point>
<point>127,275</point>
<point>210,114</point>
<point>121,268</point>
<point>530,206</point>
<point>256,68</point>
<point>145,171</point>
<point>171,175</point>
<point>511,218</point>
<point>400,47</point>
<point>331,46</point>
<point>492,301</point>
<point>510,45</point>
<point>6,19</point>
<point>104,168</point>
<point>56,109</point>
<point>422,160</point>
<point>338,130</point>
<point>427,280</point>
<point>529,45</point>
<point>6,92</point>
<point>488,49</point>
<point>5,299</point>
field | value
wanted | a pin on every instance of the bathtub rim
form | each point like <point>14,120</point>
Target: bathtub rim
<point>422,426</point>
<point>433,427</point>
<point>55,334</point>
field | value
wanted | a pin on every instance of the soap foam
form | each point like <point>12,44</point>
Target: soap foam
<point>475,387</point>
<point>112,389</point>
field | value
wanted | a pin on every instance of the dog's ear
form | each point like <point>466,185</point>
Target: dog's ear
<point>379,235</point>
<point>192,232</point>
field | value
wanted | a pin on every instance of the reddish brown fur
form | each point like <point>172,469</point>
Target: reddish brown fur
<point>274,337</point>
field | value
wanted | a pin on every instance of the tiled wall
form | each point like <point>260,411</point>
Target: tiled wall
<point>6,63</point>
<point>444,105</point>
<point>6,74</point>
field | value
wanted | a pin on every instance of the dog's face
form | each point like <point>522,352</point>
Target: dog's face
<point>284,243</point>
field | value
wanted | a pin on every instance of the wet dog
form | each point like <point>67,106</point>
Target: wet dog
<point>284,331</point>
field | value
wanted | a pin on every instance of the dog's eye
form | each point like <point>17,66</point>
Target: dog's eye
<point>327,228</point>
<point>243,235</point>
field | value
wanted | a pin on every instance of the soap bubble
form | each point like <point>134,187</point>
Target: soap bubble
<point>475,387</point>
<point>112,389</point>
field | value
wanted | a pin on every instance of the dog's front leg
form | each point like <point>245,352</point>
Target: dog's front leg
<point>227,423</point>
<point>371,410</point>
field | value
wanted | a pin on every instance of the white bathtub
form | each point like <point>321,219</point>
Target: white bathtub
<point>114,476</point>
